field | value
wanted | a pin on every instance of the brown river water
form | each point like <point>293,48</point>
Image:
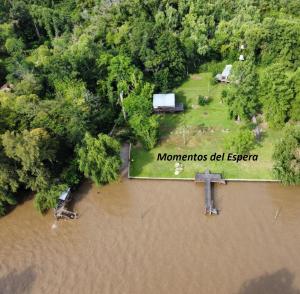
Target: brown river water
<point>151,237</point>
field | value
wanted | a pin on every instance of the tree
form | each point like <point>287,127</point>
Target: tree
<point>8,182</point>
<point>34,153</point>
<point>99,158</point>
<point>47,198</point>
<point>29,84</point>
<point>139,101</point>
<point>146,129</point>
<point>241,141</point>
<point>276,95</point>
<point>286,156</point>
<point>242,99</point>
<point>63,118</point>
<point>295,109</point>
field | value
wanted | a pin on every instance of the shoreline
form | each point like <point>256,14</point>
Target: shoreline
<point>193,179</point>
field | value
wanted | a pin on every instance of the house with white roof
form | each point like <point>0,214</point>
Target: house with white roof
<point>166,103</point>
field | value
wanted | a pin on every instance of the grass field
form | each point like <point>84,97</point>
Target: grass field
<point>201,130</point>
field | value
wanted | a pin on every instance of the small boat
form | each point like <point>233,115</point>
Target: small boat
<point>61,211</point>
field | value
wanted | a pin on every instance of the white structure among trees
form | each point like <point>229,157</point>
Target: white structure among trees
<point>166,103</point>
<point>223,77</point>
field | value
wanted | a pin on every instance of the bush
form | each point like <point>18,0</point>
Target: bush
<point>240,142</point>
<point>203,100</point>
<point>71,174</point>
<point>213,67</point>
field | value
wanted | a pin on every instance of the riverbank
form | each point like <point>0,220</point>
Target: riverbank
<point>201,130</point>
<point>151,237</point>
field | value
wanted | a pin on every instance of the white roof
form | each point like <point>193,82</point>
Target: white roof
<point>227,70</point>
<point>164,100</point>
<point>64,194</point>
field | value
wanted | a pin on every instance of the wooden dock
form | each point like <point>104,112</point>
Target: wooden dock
<point>209,178</point>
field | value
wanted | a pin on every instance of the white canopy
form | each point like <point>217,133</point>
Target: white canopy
<point>65,194</point>
<point>226,71</point>
<point>164,100</point>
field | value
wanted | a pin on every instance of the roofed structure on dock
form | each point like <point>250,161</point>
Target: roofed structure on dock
<point>61,210</point>
<point>63,196</point>
<point>166,103</point>
<point>223,77</point>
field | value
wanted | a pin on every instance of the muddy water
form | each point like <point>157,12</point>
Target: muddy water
<point>140,237</point>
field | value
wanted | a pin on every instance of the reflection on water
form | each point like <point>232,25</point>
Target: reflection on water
<point>152,237</point>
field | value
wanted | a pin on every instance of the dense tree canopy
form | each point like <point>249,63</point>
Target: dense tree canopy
<point>71,67</point>
<point>99,158</point>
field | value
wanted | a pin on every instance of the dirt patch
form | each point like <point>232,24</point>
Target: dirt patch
<point>196,77</point>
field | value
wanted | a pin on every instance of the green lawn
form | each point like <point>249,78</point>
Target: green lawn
<point>205,128</point>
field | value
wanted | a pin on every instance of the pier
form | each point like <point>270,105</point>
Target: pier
<point>208,179</point>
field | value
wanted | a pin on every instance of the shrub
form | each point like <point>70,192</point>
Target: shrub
<point>240,142</point>
<point>203,100</point>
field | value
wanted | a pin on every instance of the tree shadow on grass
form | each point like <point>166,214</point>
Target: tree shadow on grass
<point>139,159</point>
<point>18,282</point>
<point>168,122</point>
<point>276,283</point>
<point>181,98</point>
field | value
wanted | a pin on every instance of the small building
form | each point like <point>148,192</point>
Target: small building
<point>166,103</point>
<point>224,76</point>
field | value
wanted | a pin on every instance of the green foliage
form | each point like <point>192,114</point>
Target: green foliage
<point>47,198</point>
<point>295,109</point>
<point>8,182</point>
<point>146,129</point>
<point>70,174</point>
<point>29,84</point>
<point>14,46</point>
<point>139,100</point>
<point>99,158</point>
<point>34,153</point>
<point>203,100</point>
<point>63,118</point>
<point>242,98</point>
<point>276,95</point>
<point>287,156</point>
<point>241,141</point>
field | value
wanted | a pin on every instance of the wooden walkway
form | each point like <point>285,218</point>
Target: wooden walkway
<point>125,157</point>
<point>209,178</point>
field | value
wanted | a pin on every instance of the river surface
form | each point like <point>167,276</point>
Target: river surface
<point>151,237</point>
